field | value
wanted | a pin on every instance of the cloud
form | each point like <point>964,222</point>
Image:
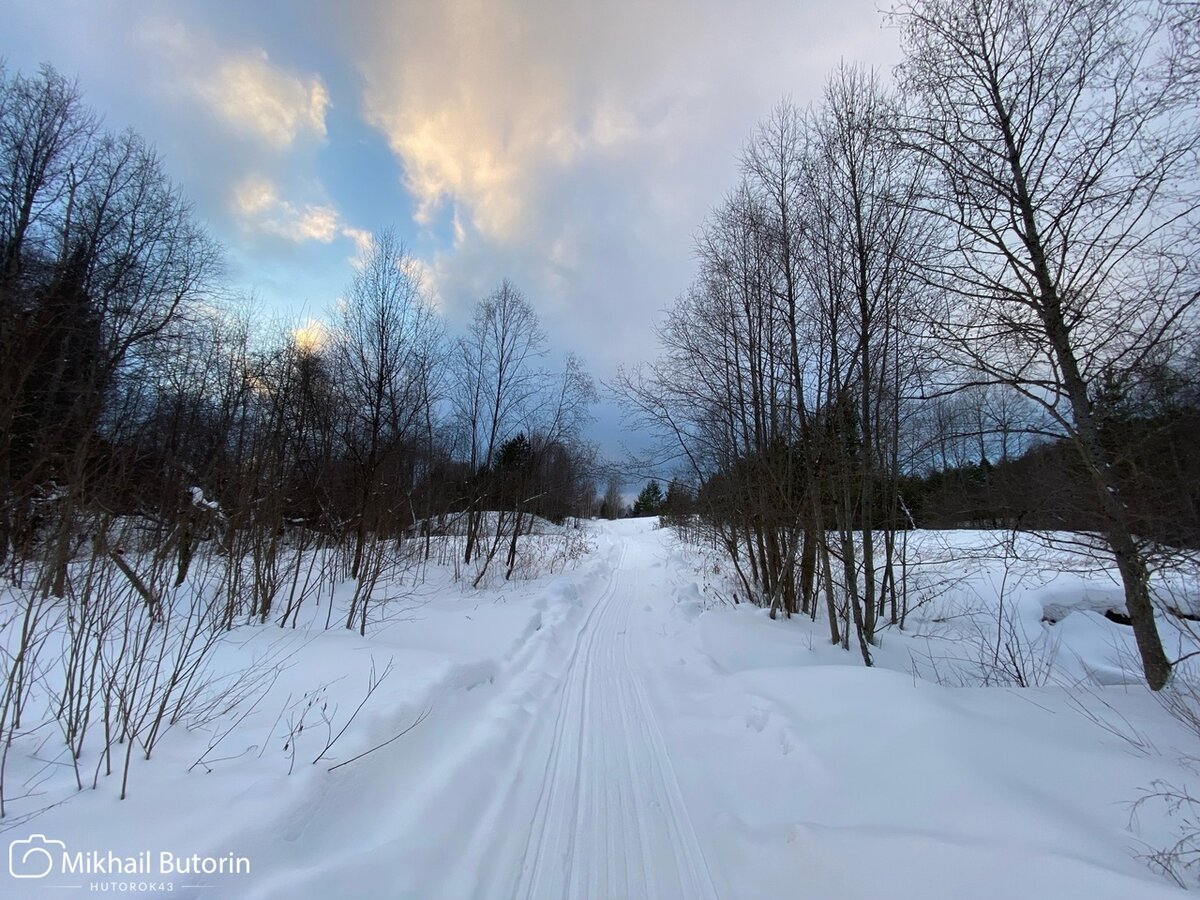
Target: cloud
<point>576,147</point>
<point>311,335</point>
<point>364,242</point>
<point>478,99</point>
<point>254,196</point>
<point>244,89</point>
<point>276,106</point>
<point>256,204</point>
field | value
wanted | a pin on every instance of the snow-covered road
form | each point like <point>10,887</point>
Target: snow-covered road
<point>551,780</point>
<point>579,796</point>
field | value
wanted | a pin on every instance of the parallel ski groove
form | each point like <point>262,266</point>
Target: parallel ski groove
<point>555,783</point>
<point>696,878</point>
<point>610,820</point>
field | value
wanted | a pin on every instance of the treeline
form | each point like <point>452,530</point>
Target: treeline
<point>172,467</point>
<point>1152,434</point>
<point>132,390</point>
<point>1017,217</point>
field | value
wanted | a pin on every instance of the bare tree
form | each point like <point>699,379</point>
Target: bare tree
<point>498,386</point>
<point>610,504</point>
<point>102,261</point>
<point>1065,186</point>
<point>45,131</point>
<point>863,238</point>
<point>387,348</point>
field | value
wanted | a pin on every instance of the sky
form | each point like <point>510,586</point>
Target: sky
<point>573,147</point>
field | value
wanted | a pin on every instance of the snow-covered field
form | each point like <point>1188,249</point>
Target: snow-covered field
<point>616,730</point>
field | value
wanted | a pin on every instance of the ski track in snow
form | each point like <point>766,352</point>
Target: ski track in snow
<point>556,783</point>
<point>610,819</point>
<point>554,778</point>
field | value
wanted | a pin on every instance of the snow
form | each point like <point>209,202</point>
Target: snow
<point>201,502</point>
<point>617,730</point>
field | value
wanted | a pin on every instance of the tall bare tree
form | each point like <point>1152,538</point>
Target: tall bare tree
<point>1065,180</point>
<point>387,353</point>
<point>499,382</point>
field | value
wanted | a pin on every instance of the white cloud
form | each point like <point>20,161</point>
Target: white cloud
<point>244,89</point>
<point>258,207</point>
<point>254,196</point>
<point>274,105</point>
<point>576,146</point>
<point>474,99</point>
<point>364,242</point>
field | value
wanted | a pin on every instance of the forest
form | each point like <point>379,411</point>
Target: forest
<point>961,296</point>
<point>968,298</point>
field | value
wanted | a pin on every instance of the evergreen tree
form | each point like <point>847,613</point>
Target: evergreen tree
<point>649,501</point>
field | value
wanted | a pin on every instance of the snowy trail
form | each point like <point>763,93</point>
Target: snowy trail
<point>634,746</point>
<point>554,782</point>
<point>610,819</point>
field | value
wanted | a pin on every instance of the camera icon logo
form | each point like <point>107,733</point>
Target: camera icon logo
<point>34,856</point>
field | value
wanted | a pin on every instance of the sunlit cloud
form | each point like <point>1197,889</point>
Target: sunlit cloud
<point>576,147</point>
<point>244,89</point>
<point>446,158</point>
<point>254,196</point>
<point>364,243</point>
<point>474,130</point>
<point>274,105</point>
<point>311,335</point>
<point>258,206</point>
